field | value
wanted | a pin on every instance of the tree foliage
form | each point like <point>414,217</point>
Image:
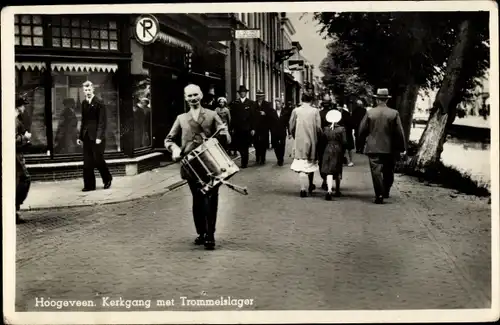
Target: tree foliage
<point>393,49</point>
<point>341,73</point>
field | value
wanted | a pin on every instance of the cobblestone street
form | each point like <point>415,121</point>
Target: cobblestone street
<point>426,248</point>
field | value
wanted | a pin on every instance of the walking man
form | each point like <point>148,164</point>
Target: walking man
<point>23,179</point>
<point>262,119</point>
<point>382,131</point>
<point>279,129</point>
<point>93,136</point>
<point>196,124</point>
<point>242,114</point>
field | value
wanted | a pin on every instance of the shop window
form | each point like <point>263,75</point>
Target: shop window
<point>84,33</point>
<point>67,98</point>
<point>28,30</point>
<point>30,85</point>
<point>142,111</point>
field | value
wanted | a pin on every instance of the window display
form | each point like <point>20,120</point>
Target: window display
<point>67,97</point>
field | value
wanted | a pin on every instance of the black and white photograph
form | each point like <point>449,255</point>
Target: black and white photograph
<point>284,162</point>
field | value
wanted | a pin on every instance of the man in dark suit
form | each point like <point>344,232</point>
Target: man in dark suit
<point>242,128</point>
<point>93,136</point>
<point>382,131</point>
<point>279,130</point>
<point>358,113</point>
<point>262,119</point>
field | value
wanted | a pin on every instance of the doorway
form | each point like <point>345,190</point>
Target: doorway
<point>167,102</point>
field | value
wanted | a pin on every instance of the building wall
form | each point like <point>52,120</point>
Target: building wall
<point>254,58</point>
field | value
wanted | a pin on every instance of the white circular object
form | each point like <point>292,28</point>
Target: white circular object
<point>147,29</point>
<point>333,116</point>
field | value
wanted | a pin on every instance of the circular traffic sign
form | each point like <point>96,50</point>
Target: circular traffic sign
<point>146,29</point>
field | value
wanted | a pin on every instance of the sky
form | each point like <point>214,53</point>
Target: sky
<point>313,45</point>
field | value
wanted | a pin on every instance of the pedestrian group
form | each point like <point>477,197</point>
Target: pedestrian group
<point>323,141</point>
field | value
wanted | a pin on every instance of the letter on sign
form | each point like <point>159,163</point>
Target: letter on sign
<point>147,29</point>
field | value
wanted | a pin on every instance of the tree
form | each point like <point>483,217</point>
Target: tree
<point>407,51</point>
<point>458,85</point>
<point>341,73</point>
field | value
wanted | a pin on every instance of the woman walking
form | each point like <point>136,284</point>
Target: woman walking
<point>347,123</point>
<point>305,127</point>
<point>332,162</point>
<point>223,111</point>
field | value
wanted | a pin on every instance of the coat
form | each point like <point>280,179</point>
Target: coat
<point>382,131</point>
<point>93,120</point>
<point>305,126</point>
<point>278,124</point>
<point>333,156</point>
<point>192,132</point>
<point>242,119</point>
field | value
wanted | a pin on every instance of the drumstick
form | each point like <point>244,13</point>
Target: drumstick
<point>239,189</point>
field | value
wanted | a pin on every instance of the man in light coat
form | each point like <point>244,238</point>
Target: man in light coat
<point>382,131</point>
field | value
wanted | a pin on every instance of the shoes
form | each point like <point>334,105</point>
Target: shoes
<point>303,194</point>
<point>379,200</point>
<point>209,242</point>
<point>324,186</point>
<point>328,196</point>
<point>386,196</point>
<point>337,194</point>
<point>85,189</point>
<point>312,187</point>
<point>350,164</point>
<point>108,184</point>
<point>200,240</point>
<point>280,163</point>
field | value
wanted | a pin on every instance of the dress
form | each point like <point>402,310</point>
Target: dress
<point>336,141</point>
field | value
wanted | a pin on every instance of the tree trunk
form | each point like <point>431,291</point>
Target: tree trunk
<point>444,108</point>
<point>405,104</point>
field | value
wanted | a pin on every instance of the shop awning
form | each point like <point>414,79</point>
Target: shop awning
<point>171,40</point>
<point>84,67</point>
<point>30,66</point>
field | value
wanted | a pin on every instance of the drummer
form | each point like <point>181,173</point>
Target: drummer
<point>194,125</point>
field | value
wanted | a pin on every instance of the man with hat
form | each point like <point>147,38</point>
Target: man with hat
<point>242,127</point>
<point>382,131</point>
<point>262,120</point>
<point>23,179</point>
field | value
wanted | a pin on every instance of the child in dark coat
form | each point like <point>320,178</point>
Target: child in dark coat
<point>333,157</point>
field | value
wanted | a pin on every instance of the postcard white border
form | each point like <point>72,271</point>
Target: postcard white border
<point>226,317</point>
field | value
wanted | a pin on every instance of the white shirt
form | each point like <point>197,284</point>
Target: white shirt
<point>243,99</point>
<point>90,99</point>
<point>278,112</point>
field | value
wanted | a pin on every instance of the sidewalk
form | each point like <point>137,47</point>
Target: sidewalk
<point>64,194</point>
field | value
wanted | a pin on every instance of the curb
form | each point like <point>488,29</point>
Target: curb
<point>169,188</point>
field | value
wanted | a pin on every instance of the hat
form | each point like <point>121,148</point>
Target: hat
<point>382,93</point>
<point>242,89</point>
<point>333,116</point>
<point>222,98</point>
<point>259,93</point>
<point>21,101</point>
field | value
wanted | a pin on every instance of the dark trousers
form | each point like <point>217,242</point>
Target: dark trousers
<point>204,209</point>
<point>242,144</point>
<point>358,143</point>
<point>279,147</point>
<point>23,184</point>
<point>93,157</point>
<point>261,143</point>
<point>382,170</point>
